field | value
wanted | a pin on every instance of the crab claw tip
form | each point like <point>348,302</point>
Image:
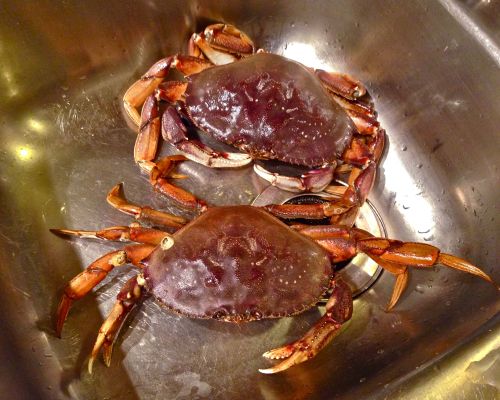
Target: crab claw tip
<point>267,371</point>
<point>90,365</point>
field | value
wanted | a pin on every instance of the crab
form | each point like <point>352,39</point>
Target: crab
<point>267,106</point>
<point>239,264</point>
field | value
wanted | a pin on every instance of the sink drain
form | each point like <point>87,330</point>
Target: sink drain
<point>361,271</point>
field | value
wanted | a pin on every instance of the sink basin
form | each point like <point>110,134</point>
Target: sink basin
<point>432,70</point>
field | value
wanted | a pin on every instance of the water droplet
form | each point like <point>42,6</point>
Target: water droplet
<point>380,351</point>
<point>405,207</point>
<point>362,380</point>
<point>424,230</point>
<point>429,238</point>
<point>419,288</point>
<point>447,303</point>
<point>404,147</point>
<point>420,165</point>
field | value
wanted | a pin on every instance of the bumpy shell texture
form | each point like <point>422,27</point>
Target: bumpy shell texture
<point>270,107</point>
<point>238,264</point>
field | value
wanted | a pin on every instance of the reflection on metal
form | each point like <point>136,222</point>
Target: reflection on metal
<point>417,211</point>
<point>24,153</point>
<point>304,53</point>
<point>35,125</point>
<point>9,82</point>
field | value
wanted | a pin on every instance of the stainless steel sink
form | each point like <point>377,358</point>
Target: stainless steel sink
<point>433,70</point>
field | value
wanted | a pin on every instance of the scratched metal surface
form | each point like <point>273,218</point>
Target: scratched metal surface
<point>432,68</point>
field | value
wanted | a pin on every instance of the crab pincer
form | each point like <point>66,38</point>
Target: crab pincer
<point>265,105</point>
<point>240,264</point>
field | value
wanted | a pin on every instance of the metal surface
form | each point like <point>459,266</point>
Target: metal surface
<point>433,69</point>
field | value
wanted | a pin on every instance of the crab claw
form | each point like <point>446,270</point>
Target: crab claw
<point>338,311</point>
<point>221,44</point>
<point>293,356</point>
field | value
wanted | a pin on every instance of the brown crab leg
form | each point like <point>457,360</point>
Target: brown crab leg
<point>147,91</point>
<point>221,44</point>
<point>338,312</point>
<point>365,124</point>
<point>117,200</point>
<point>339,210</point>
<point>171,91</point>
<point>137,93</point>
<point>393,255</point>
<point>342,84</point>
<point>159,180</point>
<point>174,131</point>
<point>132,233</point>
<point>81,284</point>
<point>354,105</point>
<point>312,181</point>
<point>131,293</point>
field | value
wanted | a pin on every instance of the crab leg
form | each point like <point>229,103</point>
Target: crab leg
<point>117,200</point>
<point>147,91</point>
<point>174,131</point>
<point>221,44</point>
<point>158,178</point>
<point>338,311</point>
<point>136,94</point>
<point>341,84</point>
<point>131,293</point>
<point>393,255</point>
<point>312,181</point>
<point>341,211</point>
<point>83,283</point>
<point>132,233</point>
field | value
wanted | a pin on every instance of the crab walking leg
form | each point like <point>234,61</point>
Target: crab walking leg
<point>83,283</point>
<point>174,131</point>
<point>136,94</point>
<point>341,84</point>
<point>158,178</point>
<point>393,255</point>
<point>132,233</point>
<point>312,181</point>
<point>341,211</point>
<point>116,199</point>
<point>131,293</point>
<point>338,311</point>
<point>148,91</point>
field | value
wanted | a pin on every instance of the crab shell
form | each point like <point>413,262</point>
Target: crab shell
<point>238,264</point>
<point>271,108</point>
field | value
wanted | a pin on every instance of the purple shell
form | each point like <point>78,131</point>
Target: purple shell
<point>270,107</point>
<point>238,264</point>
